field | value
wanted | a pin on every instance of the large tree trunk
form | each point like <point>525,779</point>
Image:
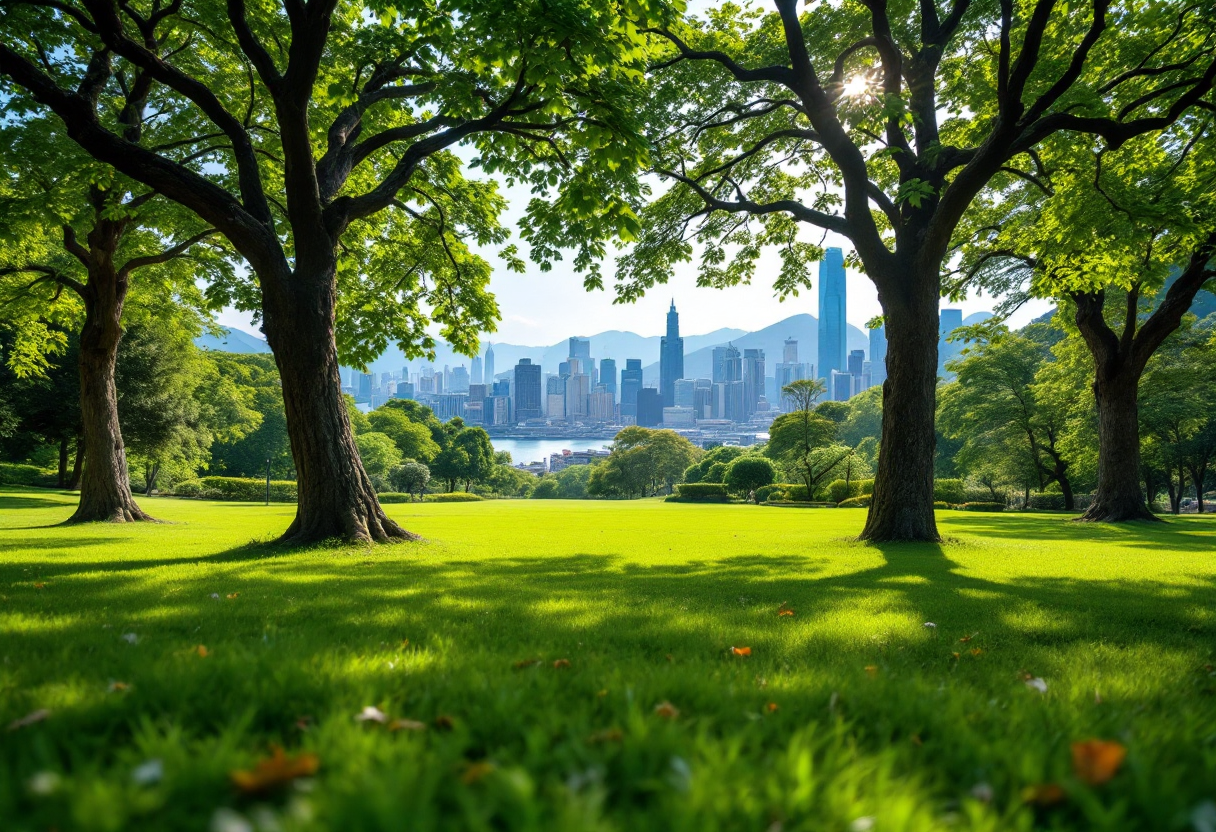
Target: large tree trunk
<point>902,505</point>
<point>77,465</point>
<point>62,478</point>
<point>105,491</point>
<point>336,497</point>
<point>1118,496</point>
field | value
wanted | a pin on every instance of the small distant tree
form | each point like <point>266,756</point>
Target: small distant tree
<point>379,455</point>
<point>410,478</point>
<point>413,439</point>
<point>799,440</point>
<point>747,473</point>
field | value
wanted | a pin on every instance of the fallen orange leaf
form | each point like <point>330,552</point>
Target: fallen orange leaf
<point>476,771</point>
<point>560,663</point>
<point>872,670</point>
<point>965,639</point>
<point>741,651</point>
<point>232,595</point>
<point>202,651</point>
<point>667,710</point>
<point>772,707</point>
<point>277,770</point>
<point>976,651</point>
<point>118,686</point>
<point>785,612</point>
<point>1044,795</point>
<point>1096,761</point>
<point>39,585</point>
<point>607,735</point>
<point>955,656</point>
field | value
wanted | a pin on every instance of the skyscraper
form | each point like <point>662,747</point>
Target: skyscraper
<point>790,354</point>
<point>753,379</point>
<point>527,390</point>
<point>878,355</point>
<point>671,357</point>
<point>489,378</point>
<point>856,359</point>
<point>833,330</point>
<point>581,348</point>
<point>460,379</point>
<point>631,384</point>
<point>366,381</point>
<point>650,408</point>
<point>728,366</point>
<point>608,375</point>
<point>475,371</point>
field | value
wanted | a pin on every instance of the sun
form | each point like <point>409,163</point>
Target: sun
<point>856,86</point>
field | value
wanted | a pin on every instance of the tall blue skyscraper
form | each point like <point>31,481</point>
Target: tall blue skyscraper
<point>878,355</point>
<point>631,384</point>
<point>527,390</point>
<point>833,330</point>
<point>489,369</point>
<point>671,357</point>
<point>608,375</point>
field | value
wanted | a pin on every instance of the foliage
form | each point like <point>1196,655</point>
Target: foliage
<point>413,438</point>
<point>570,483</point>
<point>642,462</point>
<point>16,474</point>
<point>950,491</point>
<point>841,490</point>
<point>861,501</point>
<point>379,455</point>
<point>982,506</point>
<point>248,455</point>
<point>411,477</point>
<point>452,497</point>
<point>509,481</point>
<point>701,492</point>
<point>244,489</point>
<point>748,473</point>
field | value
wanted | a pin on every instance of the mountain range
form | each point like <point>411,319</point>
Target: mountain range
<point>698,349</point>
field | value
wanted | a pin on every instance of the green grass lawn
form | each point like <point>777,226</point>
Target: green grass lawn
<point>849,714</point>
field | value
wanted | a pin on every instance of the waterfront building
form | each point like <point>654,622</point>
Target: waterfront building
<point>671,357</point>
<point>703,402</point>
<point>631,385</point>
<point>578,391</point>
<point>753,380</point>
<point>684,392</point>
<point>601,406</point>
<point>608,376</point>
<point>679,417</point>
<point>833,329</point>
<point>449,405</point>
<point>527,390</point>
<point>497,410</point>
<point>555,406</point>
<point>649,407</point>
<point>476,373</point>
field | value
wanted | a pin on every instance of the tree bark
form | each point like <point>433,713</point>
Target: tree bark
<point>105,489</point>
<point>62,478</point>
<point>336,497</point>
<point>77,465</point>
<point>1198,475</point>
<point>902,505</point>
<point>1118,497</point>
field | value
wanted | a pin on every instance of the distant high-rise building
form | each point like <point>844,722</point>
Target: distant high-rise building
<point>728,401</point>
<point>671,357</point>
<point>489,364</point>
<point>385,378</point>
<point>650,407</point>
<point>702,402</point>
<point>527,390</point>
<point>581,348</point>
<point>728,364</point>
<point>950,320</point>
<point>476,373</point>
<point>578,391</point>
<point>790,354</point>
<point>878,355</point>
<point>684,392</point>
<point>856,359</point>
<point>474,409</point>
<point>405,390</point>
<point>841,386</point>
<point>833,330</point>
<point>460,379</point>
<point>366,383</point>
<point>563,368</point>
<point>601,405</point>
<point>608,376</point>
<point>753,379</point>
<point>631,385</point>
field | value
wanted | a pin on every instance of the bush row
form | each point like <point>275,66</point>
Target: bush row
<point>981,506</point>
<point>14,474</point>
<point>451,497</point>
<point>700,492</point>
<point>243,489</point>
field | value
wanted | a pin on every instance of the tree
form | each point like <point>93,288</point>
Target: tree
<point>747,473</point>
<point>80,237</point>
<point>410,478</point>
<point>324,156</point>
<point>412,438</point>
<point>43,409</point>
<point>1124,239</point>
<point>379,455</point>
<point>882,122</point>
<point>993,405</point>
<point>802,439</point>
<point>267,443</point>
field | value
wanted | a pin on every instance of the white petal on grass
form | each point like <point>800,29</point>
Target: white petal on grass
<point>1038,684</point>
<point>371,714</point>
<point>43,783</point>
<point>130,638</point>
<point>148,773</point>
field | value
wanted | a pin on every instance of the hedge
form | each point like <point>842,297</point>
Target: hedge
<point>702,492</point>
<point>14,474</point>
<point>452,497</point>
<point>949,491</point>
<point>395,497</point>
<point>1048,501</point>
<point>242,489</point>
<point>941,504</point>
<point>856,502</point>
<point>839,490</point>
<point>982,506</point>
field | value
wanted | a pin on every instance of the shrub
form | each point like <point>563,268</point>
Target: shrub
<point>796,493</point>
<point>748,473</point>
<point>838,490</point>
<point>14,474</point>
<point>941,504</point>
<point>771,493</point>
<point>862,501</point>
<point>452,497</point>
<point>1046,502</point>
<point>982,506</point>
<point>395,497</point>
<point>242,489</point>
<point>702,492</point>
<point>949,491</point>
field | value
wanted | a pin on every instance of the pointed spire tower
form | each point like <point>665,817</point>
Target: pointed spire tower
<point>671,357</point>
